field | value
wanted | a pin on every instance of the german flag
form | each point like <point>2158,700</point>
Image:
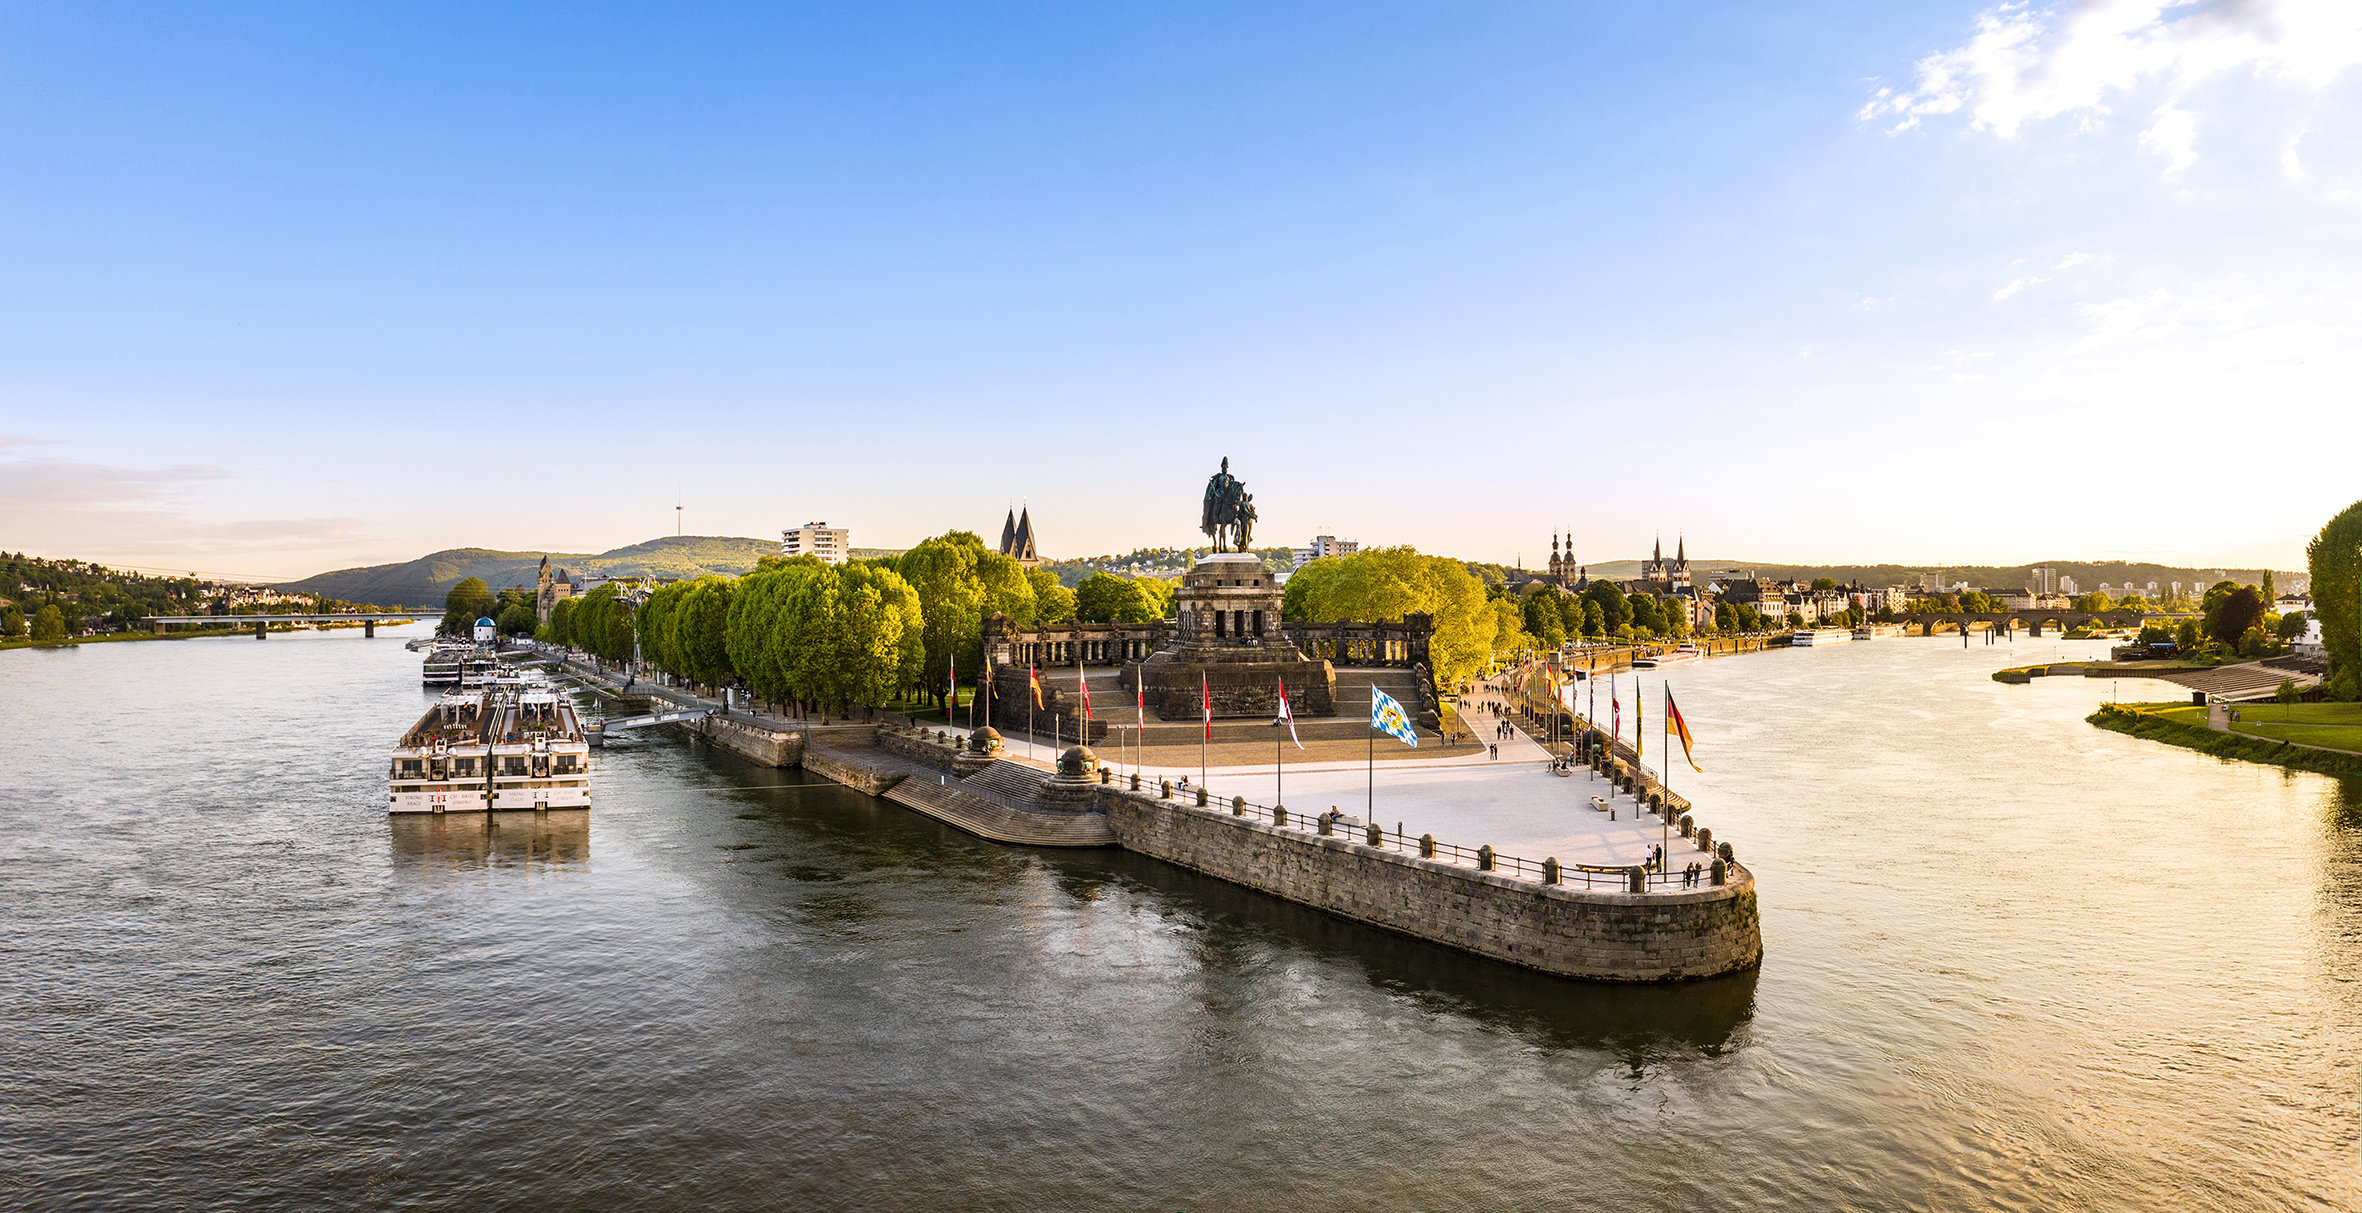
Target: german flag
<point>1034,676</point>
<point>1681,730</point>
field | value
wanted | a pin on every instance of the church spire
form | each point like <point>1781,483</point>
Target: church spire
<point>1681,550</point>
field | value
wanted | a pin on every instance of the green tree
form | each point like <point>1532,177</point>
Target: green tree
<point>467,602</point>
<point>945,574</point>
<point>561,621</point>
<point>12,623</point>
<point>1646,617</point>
<point>49,623</point>
<point>2186,636</point>
<point>2292,625</point>
<point>1107,598</point>
<point>2229,616</point>
<point>1823,585</point>
<point>880,629</point>
<point>2333,558</point>
<point>1725,619</point>
<point>1384,585</point>
<point>1052,602</point>
<point>517,619</point>
<point>704,631</point>
<point>1615,611</point>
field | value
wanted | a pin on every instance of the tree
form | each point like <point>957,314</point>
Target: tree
<point>2230,616</point>
<point>704,627</point>
<point>1646,618</point>
<point>1615,611</point>
<point>517,619</point>
<point>467,602</point>
<point>1379,585</point>
<point>1823,585</point>
<point>2332,558</point>
<point>12,623</point>
<point>2185,637</point>
<point>880,628</point>
<point>1107,598</point>
<point>1052,602</point>
<point>49,623</point>
<point>943,572</point>
<point>1725,619</point>
<point>2292,625</point>
<point>561,622</point>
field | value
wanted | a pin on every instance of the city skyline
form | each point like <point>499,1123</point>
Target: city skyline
<point>1978,284</point>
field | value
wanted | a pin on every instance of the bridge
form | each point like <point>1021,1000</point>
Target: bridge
<point>598,729</point>
<point>2034,620</point>
<point>262,623</point>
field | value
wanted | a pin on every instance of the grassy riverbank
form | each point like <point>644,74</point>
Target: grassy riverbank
<point>2184,725</point>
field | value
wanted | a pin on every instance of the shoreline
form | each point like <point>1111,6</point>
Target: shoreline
<point>2229,747</point>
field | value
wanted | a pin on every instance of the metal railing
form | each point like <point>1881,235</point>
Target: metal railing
<point>1608,877</point>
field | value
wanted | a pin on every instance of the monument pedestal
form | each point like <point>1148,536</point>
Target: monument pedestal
<point>1228,642</point>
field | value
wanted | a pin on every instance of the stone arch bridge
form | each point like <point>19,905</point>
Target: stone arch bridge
<point>2033,621</point>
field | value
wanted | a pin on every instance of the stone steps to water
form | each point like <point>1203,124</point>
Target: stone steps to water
<point>955,806</point>
<point>1011,784</point>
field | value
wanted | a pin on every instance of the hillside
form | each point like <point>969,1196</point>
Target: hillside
<point>424,581</point>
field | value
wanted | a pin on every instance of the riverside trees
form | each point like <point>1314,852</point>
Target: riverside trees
<point>1385,584</point>
<point>958,582</point>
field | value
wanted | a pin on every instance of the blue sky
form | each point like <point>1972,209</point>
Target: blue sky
<point>297,286</point>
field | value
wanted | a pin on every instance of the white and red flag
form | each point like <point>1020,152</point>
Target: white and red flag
<point>1286,716</point>
<point>1205,694</point>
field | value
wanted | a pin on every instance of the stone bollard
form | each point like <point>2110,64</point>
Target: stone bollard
<point>1201,798</point>
<point>1105,775</point>
<point>1327,823</point>
<point>1377,835</point>
<point>1279,815</point>
<point>1426,846</point>
<point>1135,781</point>
<point>1720,873</point>
<point>1724,851</point>
<point>1550,870</point>
<point>1164,788</point>
<point>1238,806</point>
<point>1484,858</point>
<point>1705,839</point>
<point>1636,880</point>
<point>1688,827</point>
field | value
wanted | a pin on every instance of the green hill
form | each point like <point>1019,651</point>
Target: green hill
<point>424,581</point>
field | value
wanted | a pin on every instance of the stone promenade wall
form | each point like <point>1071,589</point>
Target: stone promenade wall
<point>753,742</point>
<point>917,748</point>
<point>1573,933</point>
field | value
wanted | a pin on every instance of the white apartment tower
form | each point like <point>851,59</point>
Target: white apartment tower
<point>829,543</point>
<point>1324,545</point>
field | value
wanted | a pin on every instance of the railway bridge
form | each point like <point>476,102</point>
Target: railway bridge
<point>2034,621</point>
<point>262,623</point>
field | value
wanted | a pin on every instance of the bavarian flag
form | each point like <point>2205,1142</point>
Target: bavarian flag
<point>1387,717</point>
<point>1681,730</point>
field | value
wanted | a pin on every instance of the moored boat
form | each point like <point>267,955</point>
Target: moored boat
<point>1807,637</point>
<point>511,748</point>
<point>1686,652</point>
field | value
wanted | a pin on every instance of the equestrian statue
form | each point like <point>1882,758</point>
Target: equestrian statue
<point>1230,512</point>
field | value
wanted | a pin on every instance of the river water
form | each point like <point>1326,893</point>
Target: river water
<point>2011,962</point>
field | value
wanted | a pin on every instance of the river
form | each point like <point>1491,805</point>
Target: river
<point>2011,962</point>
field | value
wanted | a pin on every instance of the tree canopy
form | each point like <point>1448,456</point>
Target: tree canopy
<point>1384,584</point>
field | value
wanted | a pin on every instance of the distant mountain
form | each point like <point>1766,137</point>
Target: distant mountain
<point>424,581</point>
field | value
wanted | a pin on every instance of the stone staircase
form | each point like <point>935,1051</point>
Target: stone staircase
<point>1010,784</point>
<point>952,803</point>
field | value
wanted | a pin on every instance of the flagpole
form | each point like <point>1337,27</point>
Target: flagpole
<point>1665,811</point>
<point>1371,805</point>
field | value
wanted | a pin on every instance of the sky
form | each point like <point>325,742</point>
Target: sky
<point>290,287</point>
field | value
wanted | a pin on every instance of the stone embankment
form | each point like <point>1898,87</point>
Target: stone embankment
<point>1550,927</point>
<point>1557,929</point>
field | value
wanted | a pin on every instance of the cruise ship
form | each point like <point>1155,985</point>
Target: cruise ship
<point>1807,637</point>
<point>503,749</point>
<point>1687,652</point>
<point>459,665</point>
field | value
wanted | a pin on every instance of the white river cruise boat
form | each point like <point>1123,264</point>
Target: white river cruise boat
<point>1807,637</point>
<point>502,750</point>
<point>1687,652</point>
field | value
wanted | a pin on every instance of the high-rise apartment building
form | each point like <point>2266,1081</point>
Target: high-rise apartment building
<point>830,544</point>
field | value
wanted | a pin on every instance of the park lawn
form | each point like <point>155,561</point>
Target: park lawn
<point>2327,736</point>
<point>2179,713</point>
<point>2300,713</point>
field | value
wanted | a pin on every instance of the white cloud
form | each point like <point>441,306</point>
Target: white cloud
<point>2291,166</point>
<point>2079,59</point>
<point>2173,134</point>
